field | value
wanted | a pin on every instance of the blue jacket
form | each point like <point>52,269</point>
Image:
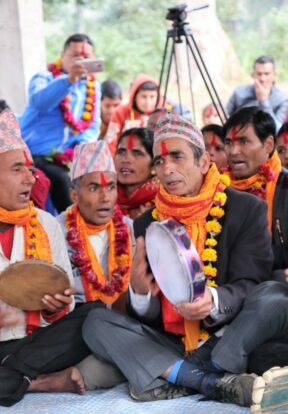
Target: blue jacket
<point>42,124</point>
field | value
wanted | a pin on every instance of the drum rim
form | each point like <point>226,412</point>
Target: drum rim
<point>181,256</point>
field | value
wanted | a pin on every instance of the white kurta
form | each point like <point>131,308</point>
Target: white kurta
<point>59,257</point>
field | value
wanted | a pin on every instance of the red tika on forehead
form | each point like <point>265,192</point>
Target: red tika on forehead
<point>164,149</point>
<point>233,134</point>
<point>213,140</point>
<point>130,143</point>
<point>285,137</point>
<point>103,181</point>
<point>83,51</point>
<point>27,161</point>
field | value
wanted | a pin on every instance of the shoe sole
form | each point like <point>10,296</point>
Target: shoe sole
<point>270,392</point>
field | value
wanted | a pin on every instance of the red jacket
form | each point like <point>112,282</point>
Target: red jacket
<point>125,116</point>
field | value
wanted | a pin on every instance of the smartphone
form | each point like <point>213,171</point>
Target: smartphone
<point>92,65</point>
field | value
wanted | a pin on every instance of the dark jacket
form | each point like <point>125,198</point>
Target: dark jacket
<point>244,251</point>
<point>280,227</point>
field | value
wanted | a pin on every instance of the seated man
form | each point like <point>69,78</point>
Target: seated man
<point>214,144</point>
<point>63,111</point>
<point>40,188</point>
<point>32,342</point>
<point>282,144</point>
<point>255,167</point>
<point>111,96</point>
<point>96,229</point>
<point>262,92</point>
<point>229,230</point>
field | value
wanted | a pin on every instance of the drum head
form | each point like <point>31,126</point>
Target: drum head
<point>23,284</point>
<point>168,264</point>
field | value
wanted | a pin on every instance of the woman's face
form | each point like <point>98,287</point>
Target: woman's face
<point>132,161</point>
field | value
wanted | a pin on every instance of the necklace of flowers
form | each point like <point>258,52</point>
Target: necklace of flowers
<point>119,271</point>
<point>213,229</point>
<point>258,188</point>
<point>89,112</point>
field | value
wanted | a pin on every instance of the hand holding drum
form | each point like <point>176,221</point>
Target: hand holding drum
<point>33,284</point>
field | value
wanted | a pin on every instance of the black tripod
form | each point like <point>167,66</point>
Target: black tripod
<point>180,31</point>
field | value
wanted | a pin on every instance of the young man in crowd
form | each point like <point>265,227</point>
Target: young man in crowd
<point>63,111</point>
<point>262,92</point>
<point>234,244</point>
<point>111,97</point>
<point>214,144</point>
<point>32,343</point>
<point>100,243</point>
<point>282,144</point>
<point>255,167</point>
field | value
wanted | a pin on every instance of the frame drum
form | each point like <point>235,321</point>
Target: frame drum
<point>174,261</point>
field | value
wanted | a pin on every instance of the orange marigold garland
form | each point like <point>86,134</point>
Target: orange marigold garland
<point>213,228</point>
<point>120,256</point>
<point>89,113</point>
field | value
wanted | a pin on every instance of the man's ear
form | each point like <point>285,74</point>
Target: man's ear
<point>204,162</point>
<point>269,144</point>
<point>73,195</point>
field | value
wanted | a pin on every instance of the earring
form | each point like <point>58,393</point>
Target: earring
<point>153,173</point>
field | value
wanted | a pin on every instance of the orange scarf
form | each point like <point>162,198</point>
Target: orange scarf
<point>274,164</point>
<point>192,212</point>
<point>114,262</point>
<point>37,245</point>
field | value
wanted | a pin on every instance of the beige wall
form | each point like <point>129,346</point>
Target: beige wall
<point>22,48</point>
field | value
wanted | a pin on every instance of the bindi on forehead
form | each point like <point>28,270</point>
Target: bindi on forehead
<point>103,181</point>
<point>164,149</point>
<point>233,134</point>
<point>130,142</point>
<point>27,160</point>
<point>83,49</point>
<point>285,138</point>
<point>213,140</point>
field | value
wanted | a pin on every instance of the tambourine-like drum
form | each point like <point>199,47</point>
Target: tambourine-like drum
<point>23,284</point>
<point>174,261</point>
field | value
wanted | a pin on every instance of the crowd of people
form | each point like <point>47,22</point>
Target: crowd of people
<point>108,170</point>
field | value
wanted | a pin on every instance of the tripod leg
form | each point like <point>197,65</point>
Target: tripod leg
<point>210,80</point>
<point>162,71</point>
<point>177,77</point>
<point>190,82</point>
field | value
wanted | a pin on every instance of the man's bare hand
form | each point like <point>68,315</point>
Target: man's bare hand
<point>141,281</point>
<point>286,275</point>
<point>56,303</point>
<point>197,310</point>
<point>76,72</point>
<point>261,93</point>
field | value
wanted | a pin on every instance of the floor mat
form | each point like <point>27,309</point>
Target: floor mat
<point>116,401</point>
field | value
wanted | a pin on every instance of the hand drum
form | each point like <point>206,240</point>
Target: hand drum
<point>23,284</point>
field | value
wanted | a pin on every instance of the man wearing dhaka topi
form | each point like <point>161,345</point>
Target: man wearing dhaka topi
<point>63,111</point>
<point>33,342</point>
<point>230,232</point>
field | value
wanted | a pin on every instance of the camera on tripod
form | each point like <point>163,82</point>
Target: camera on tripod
<point>177,13</point>
<point>182,33</point>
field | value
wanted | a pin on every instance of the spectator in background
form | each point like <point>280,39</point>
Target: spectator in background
<point>214,143</point>
<point>134,114</point>
<point>282,144</point>
<point>137,181</point>
<point>111,96</point>
<point>210,115</point>
<point>63,110</point>
<point>262,92</point>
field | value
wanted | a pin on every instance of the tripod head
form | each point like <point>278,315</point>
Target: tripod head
<point>177,13</point>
